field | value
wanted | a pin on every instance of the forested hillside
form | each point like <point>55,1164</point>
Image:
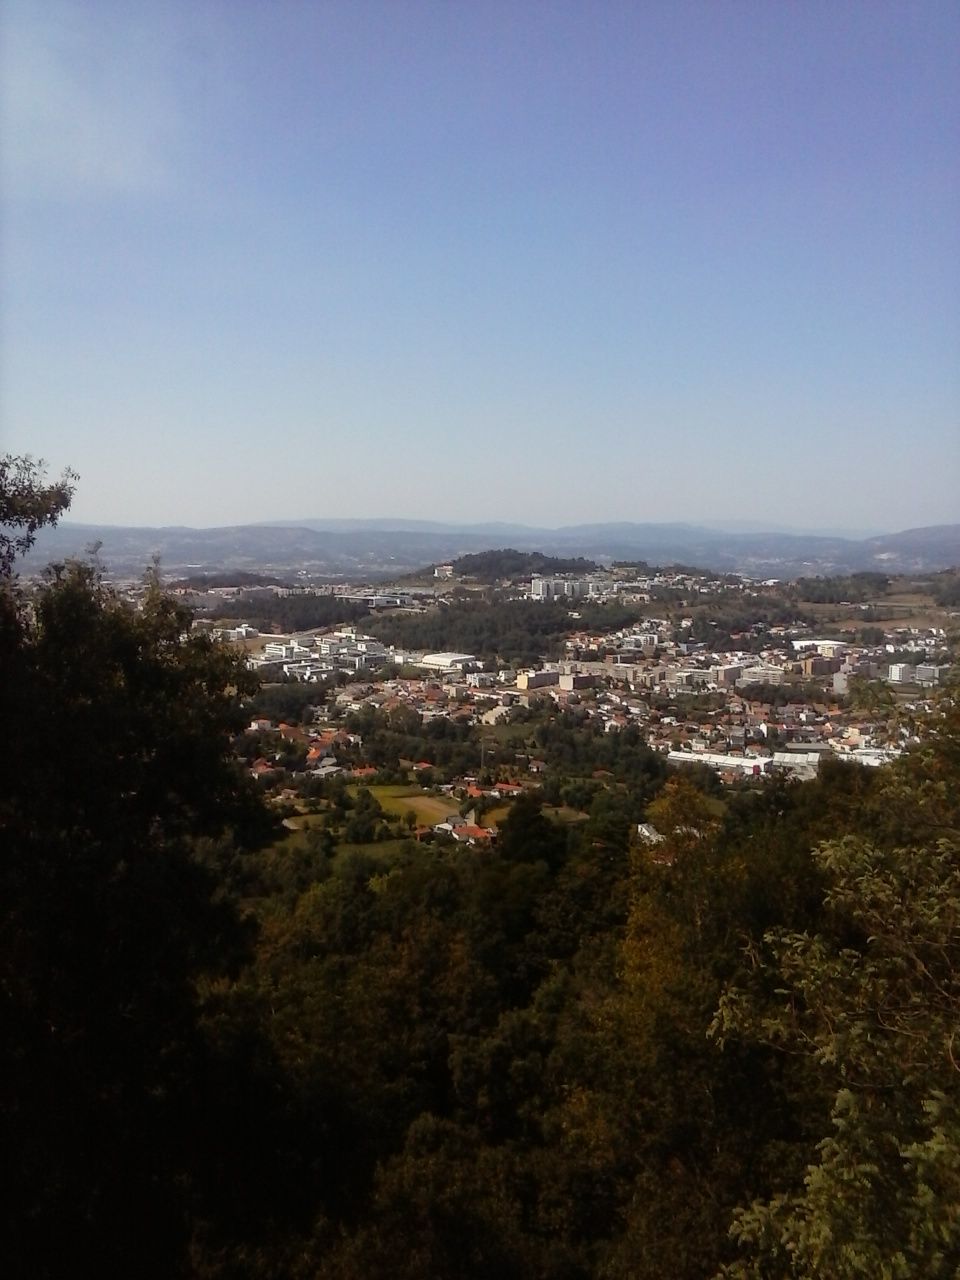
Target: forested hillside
<point>490,566</point>
<point>269,612</point>
<point>230,1052</point>
<point>513,630</point>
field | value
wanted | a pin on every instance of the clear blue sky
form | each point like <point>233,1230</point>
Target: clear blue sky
<point>548,262</point>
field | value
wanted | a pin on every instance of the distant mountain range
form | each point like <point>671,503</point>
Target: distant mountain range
<point>377,548</point>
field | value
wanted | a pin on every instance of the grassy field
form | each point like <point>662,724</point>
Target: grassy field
<point>565,814</point>
<point>397,799</point>
<point>395,802</point>
<point>510,735</point>
<point>493,817</point>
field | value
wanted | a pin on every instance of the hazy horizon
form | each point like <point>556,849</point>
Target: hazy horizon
<point>458,262</point>
<point>503,527</point>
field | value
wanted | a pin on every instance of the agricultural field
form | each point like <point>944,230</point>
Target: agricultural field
<point>565,814</point>
<point>397,799</point>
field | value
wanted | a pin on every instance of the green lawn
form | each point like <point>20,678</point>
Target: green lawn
<point>494,817</point>
<point>396,799</point>
<point>565,814</point>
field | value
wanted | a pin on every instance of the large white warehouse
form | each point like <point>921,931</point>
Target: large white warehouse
<point>448,661</point>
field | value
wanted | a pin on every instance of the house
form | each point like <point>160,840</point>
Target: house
<point>505,790</point>
<point>451,823</point>
<point>649,834</point>
<point>327,768</point>
<point>468,833</point>
<point>291,733</point>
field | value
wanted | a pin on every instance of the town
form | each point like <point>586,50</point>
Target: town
<point>719,676</point>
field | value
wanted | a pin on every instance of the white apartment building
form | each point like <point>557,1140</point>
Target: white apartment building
<point>558,588</point>
<point>902,673</point>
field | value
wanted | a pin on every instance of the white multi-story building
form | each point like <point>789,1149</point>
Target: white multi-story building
<point>537,679</point>
<point>928,673</point>
<point>753,766</point>
<point>902,673</point>
<point>558,588</point>
<point>761,675</point>
<point>284,651</point>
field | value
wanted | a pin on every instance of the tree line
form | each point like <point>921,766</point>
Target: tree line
<point>286,614</point>
<point>517,631</point>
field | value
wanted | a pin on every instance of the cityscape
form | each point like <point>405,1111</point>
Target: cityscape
<point>480,640</point>
<point>773,697</point>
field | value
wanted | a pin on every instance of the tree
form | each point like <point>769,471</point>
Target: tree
<point>123,722</point>
<point>872,999</point>
<point>528,835</point>
<point>27,504</point>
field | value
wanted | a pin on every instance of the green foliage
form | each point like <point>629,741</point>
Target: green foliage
<point>527,835</point>
<point>292,702</point>
<point>871,636</point>
<point>852,589</point>
<point>744,625</point>
<point>781,695</point>
<point>124,724</point>
<point>269,612</point>
<point>398,735</point>
<point>491,566</point>
<point>872,998</point>
<point>27,504</point>
<point>947,588</point>
<point>517,629</point>
<point>362,824</point>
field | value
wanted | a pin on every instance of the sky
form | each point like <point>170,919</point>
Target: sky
<point>545,262</point>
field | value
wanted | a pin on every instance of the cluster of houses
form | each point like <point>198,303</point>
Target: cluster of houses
<point>321,762</point>
<point>649,675</point>
<point>640,586</point>
<point>320,744</point>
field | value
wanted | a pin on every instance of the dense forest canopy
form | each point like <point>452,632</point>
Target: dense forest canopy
<point>286,614</point>
<point>947,588</point>
<point>852,589</point>
<point>521,631</point>
<point>491,566</point>
<point>233,1051</point>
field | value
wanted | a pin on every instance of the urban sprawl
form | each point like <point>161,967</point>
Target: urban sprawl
<point>774,699</point>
